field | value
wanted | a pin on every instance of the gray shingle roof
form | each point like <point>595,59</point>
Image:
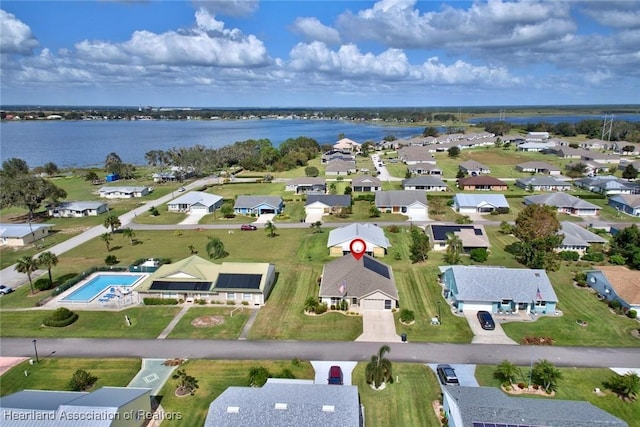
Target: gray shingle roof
<point>575,235</point>
<point>541,180</point>
<point>490,284</point>
<point>250,202</point>
<point>560,200</point>
<point>490,405</point>
<point>400,197</point>
<point>196,197</point>
<point>300,405</point>
<point>368,180</point>
<point>537,165</point>
<point>332,200</point>
<point>631,200</point>
<point>368,232</point>
<point>474,200</point>
<point>359,280</point>
<point>424,181</point>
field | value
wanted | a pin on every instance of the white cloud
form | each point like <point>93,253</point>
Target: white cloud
<point>615,14</point>
<point>236,8</point>
<point>311,29</point>
<point>15,35</point>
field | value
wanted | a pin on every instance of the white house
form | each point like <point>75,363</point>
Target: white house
<point>124,192</point>
<point>425,183</point>
<point>479,203</point>
<point>195,202</point>
<point>22,234</point>
<point>77,209</point>
<point>340,239</point>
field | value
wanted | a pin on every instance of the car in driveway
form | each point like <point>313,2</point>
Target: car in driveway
<point>335,375</point>
<point>248,227</point>
<point>5,290</point>
<point>447,375</point>
<point>486,321</point>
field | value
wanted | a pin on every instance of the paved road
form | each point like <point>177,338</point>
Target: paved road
<point>326,350</point>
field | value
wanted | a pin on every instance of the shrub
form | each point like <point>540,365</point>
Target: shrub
<point>258,376</point>
<point>463,219</point>
<point>286,373</point>
<point>321,308</point>
<point>82,380</point>
<point>42,284</point>
<point>397,255</point>
<point>569,255</point>
<point>593,257</point>
<point>311,171</point>
<point>632,314</point>
<point>617,259</point>
<point>503,210</point>
<point>245,302</point>
<point>580,279</point>
<point>60,318</point>
<point>615,304</point>
<point>153,211</point>
<point>479,254</point>
<point>111,260</point>
<point>393,229</point>
<point>407,316</point>
<point>333,306</point>
<point>159,301</point>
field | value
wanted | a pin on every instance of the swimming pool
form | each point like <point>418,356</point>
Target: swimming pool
<point>99,283</point>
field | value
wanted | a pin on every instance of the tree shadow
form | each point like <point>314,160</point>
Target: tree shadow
<point>115,248</point>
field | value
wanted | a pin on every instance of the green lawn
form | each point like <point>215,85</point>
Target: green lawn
<point>229,330</point>
<point>147,322</point>
<point>577,384</point>
<point>214,377</point>
<point>406,402</point>
<point>53,373</point>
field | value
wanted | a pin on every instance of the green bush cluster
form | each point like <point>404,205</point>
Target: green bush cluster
<point>479,254</point>
<point>42,284</point>
<point>407,315</point>
<point>159,301</point>
<point>569,255</point>
<point>60,318</point>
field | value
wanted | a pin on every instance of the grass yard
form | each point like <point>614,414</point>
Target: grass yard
<point>214,377</point>
<point>147,322</point>
<point>577,384</point>
<point>406,402</point>
<point>53,373</point>
<point>228,330</point>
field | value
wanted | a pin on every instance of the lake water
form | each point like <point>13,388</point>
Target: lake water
<point>87,143</point>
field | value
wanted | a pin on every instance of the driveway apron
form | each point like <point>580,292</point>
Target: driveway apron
<point>378,326</point>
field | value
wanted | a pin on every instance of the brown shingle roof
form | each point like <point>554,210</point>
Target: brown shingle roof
<point>625,282</point>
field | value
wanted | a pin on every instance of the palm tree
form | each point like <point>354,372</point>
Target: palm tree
<point>626,386</point>
<point>192,249</point>
<point>454,249</point>
<point>112,222</point>
<point>48,259</point>
<point>215,248</point>
<point>27,265</point>
<point>106,238</point>
<point>271,229</point>
<point>317,227</point>
<point>506,372</point>
<point>378,370</point>
<point>546,374</point>
<point>130,234</point>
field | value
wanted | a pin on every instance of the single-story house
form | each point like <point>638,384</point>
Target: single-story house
<point>325,204</point>
<point>479,203</point>
<point>340,167</point>
<point>565,203</point>
<point>22,234</point>
<point>258,205</point>
<point>426,183</point>
<point>590,168</point>
<point>533,147</point>
<point>473,168</point>
<point>490,407</point>
<point>337,155</point>
<point>424,169</point>
<point>366,183</point>
<point>607,184</point>
<point>373,236</point>
<point>347,144</point>
<point>537,136</point>
<point>625,148</point>
<point>495,289</point>
<point>366,283</point>
<point>195,202</point>
<point>627,203</point>
<point>124,192</point>
<point>104,407</point>
<point>482,183</point>
<point>472,236</point>
<point>406,202</point>
<point>413,155</point>
<point>577,238</point>
<point>538,167</point>
<point>77,209</point>
<point>567,152</point>
<point>287,403</point>
<point>307,185</point>
<point>199,279</point>
<point>625,162</point>
<point>598,157</point>
<point>543,183</point>
<point>617,283</point>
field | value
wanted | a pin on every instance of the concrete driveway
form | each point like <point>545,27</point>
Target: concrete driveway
<point>466,373</point>
<point>193,218</point>
<point>378,326</point>
<point>312,218</point>
<point>482,336</point>
<point>322,370</point>
<point>264,218</point>
<point>153,374</point>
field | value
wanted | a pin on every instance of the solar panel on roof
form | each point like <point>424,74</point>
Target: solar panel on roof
<point>238,281</point>
<point>162,285</point>
<point>376,267</point>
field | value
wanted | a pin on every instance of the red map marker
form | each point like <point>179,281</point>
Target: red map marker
<point>357,247</point>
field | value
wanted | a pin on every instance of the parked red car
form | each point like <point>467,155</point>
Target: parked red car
<point>248,227</point>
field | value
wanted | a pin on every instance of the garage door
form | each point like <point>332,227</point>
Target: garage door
<point>199,209</point>
<point>417,213</point>
<point>373,304</point>
<point>467,306</point>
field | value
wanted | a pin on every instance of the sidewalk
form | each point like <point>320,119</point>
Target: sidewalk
<point>174,322</point>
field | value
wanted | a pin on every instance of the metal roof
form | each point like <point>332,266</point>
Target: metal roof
<point>370,233</point>
<point>475,200</point>
<point>196,197</point>
<point>20,230</point>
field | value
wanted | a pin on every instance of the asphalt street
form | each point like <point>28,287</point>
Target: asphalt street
<point>326,350</point>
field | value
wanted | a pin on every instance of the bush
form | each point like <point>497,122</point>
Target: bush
<point>321,308</point>
<point>479,254</point>
<point>42,284</point>
<point>617,259</point>
<point>397,255</point>
<point>569,255</point>
<point>111,260</point>
<point>311,171</point>
<point>258,376</point>
<point>82,380</point>
<point>60,318</point>
<point>593,257</point>
<point>393,229</point>
<point>407,316</point>
<point>632,314</point>
<point>153,211</point>
<point>159,301</point>
<point>580,279</point>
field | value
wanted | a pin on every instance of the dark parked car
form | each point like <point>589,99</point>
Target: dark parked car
<point>486,321</point>
<point>447,375</point>
<point>248,227</point>
<point>335,375</point>
<point>5,290</point>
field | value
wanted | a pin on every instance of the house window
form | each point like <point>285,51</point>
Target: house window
<point>231,295</point>
<point>541,303</point>
<point>506,302</point>
<point>246,297</point>
<point>354,301</point>
<point>387,304</point>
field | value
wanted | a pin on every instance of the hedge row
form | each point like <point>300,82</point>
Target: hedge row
<point>160,301</point>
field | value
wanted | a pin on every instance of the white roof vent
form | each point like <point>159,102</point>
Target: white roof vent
<point>328,408</point>
<point>280,406</point>
<point>233,409</point>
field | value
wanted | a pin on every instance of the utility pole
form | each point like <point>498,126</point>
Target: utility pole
<point>608,121</point>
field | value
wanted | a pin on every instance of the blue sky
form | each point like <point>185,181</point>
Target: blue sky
<point>305,53</point>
